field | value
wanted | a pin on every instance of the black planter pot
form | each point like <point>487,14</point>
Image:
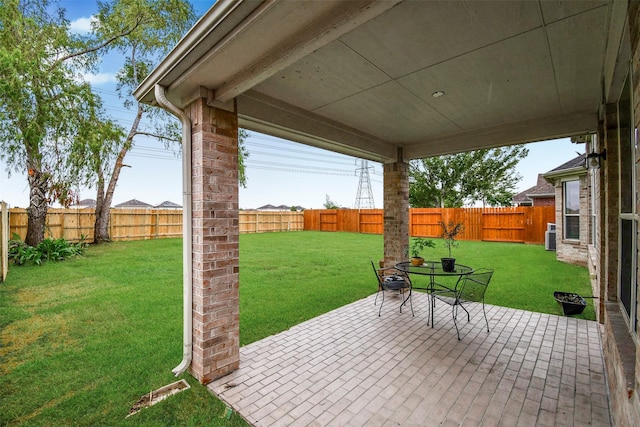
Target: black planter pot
<point>448,264</point>
<point>571,303</point>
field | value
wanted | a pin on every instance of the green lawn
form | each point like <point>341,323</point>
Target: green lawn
<point>83,339</point>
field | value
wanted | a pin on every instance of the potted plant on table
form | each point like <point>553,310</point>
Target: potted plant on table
<point>417,245</point>
<point>450,232</point>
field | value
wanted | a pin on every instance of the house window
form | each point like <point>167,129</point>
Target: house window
<point>571,210</point>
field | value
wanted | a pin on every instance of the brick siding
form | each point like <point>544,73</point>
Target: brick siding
<point>396,212</point>
<point>216,320</point>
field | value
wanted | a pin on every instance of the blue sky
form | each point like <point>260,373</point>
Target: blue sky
<point>278,171</point>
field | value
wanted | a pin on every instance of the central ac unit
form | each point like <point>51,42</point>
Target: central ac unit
<point>550,240</point>
<point>551,226</point>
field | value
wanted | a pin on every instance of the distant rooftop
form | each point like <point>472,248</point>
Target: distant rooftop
<point>168,205</point>
<point>133,203</point>
<point>270,207</point>
<point>85,203</point>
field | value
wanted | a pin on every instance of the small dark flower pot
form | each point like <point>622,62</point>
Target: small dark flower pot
<point>448,264</point>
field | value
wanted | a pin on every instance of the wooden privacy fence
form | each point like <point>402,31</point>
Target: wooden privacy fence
<point>4,244</point>
<point>514,224</point>
<point>520,224</point>
<point>142,224</point>
<point>124,224</point>
<point>267,221</point>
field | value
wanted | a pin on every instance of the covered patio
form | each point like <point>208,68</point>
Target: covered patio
<point>350,367</point>
<point>392,81</point>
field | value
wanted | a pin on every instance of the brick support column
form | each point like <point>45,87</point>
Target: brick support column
<point>600,242</point>
<point>611,189</point>
<point>396,212</point>
<point>216,325</point>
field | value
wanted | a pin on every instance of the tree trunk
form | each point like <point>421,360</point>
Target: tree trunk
<point>37,210</point>
<point>101,226</point>
<point>104,198</point>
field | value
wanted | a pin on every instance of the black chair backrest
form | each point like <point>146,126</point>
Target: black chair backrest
<point>375,270</point>
<point>475,285</point>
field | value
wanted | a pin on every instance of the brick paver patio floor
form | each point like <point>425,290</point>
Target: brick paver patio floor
<point>351,367</point>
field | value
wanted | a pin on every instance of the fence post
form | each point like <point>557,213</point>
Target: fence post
<point>61,226</point>
<point>4,235</point>
<point>110,224</point>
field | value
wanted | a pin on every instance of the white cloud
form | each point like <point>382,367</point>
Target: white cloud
<point>82,25</point>
<point>100,78</point>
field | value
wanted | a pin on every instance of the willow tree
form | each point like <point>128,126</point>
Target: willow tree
<point>143,31</point>
<point>155,27</point>
<point>44,105</point>
<point>484,176</point>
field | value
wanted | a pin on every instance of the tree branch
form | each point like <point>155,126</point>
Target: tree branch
<point>95,48</point>
<point>156,135</point>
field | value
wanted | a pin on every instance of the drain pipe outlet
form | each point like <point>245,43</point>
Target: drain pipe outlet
<point>187,258</point>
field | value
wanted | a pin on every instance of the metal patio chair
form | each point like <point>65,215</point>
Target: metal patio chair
<point>469,288</point>
<point>392,279</point>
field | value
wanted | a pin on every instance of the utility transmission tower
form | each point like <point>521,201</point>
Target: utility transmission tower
<point>364,198</point>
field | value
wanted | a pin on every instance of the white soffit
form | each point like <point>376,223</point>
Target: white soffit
<point>358,77</point>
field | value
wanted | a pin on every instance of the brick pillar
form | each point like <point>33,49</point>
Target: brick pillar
<point>610,188</point>
<point>634,18</point>
<point>216,323</point>
<point>396,212</point>
<point>600,242</point>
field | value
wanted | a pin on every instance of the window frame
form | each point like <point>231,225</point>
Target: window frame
<point>566,215</point>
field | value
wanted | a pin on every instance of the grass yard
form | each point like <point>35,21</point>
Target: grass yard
<point>83,340</point>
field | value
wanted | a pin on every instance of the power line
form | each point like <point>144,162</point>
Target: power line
<point>305,167</point>
<point>294,150</point>
<point>304,171</point>
<point>282,156</point>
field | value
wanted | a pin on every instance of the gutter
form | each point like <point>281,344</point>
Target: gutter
<point>187,233</point>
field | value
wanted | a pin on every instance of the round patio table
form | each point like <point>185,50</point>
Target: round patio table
<point>434,270</point>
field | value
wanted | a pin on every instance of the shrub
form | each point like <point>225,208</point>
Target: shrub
<point>47,250</point>
<point>419,244</point>
<point>450,233</point>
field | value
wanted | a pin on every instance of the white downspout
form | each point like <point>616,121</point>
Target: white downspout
<point>187,258</point>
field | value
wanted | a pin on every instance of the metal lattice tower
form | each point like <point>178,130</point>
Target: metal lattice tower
<point>364,198</point>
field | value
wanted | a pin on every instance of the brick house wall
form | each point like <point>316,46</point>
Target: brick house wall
<point>544,201</point>
<point>620,345</point>
<point>569,250</point>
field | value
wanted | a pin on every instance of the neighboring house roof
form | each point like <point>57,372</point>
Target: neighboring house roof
<point>540,190</point>
<point>85,203</point>
<point>168,205</point>
<point>266,207</point>
<point>279,208</point>
<point>133,203</point>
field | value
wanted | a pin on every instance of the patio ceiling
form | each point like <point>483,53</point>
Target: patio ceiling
<point>358,77</point>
